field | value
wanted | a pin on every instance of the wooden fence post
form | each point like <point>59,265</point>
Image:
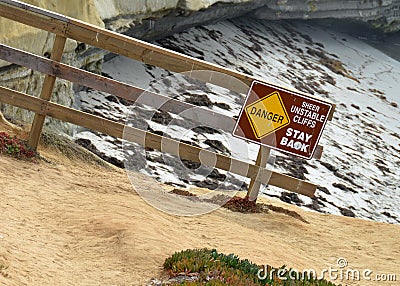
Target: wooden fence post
<point>47,90</point>
<point>262,160</point>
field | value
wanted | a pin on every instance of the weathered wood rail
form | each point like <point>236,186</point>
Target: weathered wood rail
<point>120,89</point>
<point>66,27</point>
<point>185,151</point>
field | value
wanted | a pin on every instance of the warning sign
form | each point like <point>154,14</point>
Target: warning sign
<point>282,119</point>
<point>267,115</point>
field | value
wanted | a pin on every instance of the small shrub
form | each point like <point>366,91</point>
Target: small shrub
<point>15,147</point>
<point>215,269</point>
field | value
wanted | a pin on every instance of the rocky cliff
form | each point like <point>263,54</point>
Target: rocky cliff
<point>151,19</point>
<point>141,17</point>
<point>384,14</point>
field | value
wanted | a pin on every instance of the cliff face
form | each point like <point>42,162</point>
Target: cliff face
<point>141,15</point>
<point>37,41</point>
<point>40,42</point>
<point>383,14</point>
<point>168,16</point>
<point>151,19</point>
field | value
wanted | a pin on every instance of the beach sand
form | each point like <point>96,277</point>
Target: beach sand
<point>68,222</point>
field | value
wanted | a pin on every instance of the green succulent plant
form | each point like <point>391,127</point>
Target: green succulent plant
<point>214,269</point>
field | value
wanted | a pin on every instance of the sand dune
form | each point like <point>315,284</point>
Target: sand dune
<point>66,222</point>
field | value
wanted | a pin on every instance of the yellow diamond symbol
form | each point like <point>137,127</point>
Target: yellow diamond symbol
<point>267,115</point>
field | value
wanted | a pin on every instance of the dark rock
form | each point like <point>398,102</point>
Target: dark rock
<point>81,47</point>
<point>12,120</point>
<point>383,169</point>
<point>389,215</point>
<point>168,44</point>
<point>392,134</point>
<point>232,183</point>
<point>245,71</point>
<point>222,105</point>
<point>324,190</point>
<point>303,87</point>
<point>317,53</point>
<point>344,188</point>
<point>112,98</point>
<point>347,212</point>
<point>307,38</point>
<point>295,166</point>
<point>217,146</point>
<point>167,82</point>
<point>373,134</point>
<point>106,75</point>
<point>190,164</point>
<point>329,79</point>
<point>216,175</point>
<point>205,129</point>
<point>336,145</point>
<point>87,144</point>
<point>315,205</point>
<point>328,166</point>
<point>159,132</point>
<point>347,177</point>
<point>162,117</point>
<point>199,100</point>
<point>213,34</point>
<point>125,102</point>
<point>113,160</point>
<point>291,198</point>
<point>376,91</point>
<point>156,159</point>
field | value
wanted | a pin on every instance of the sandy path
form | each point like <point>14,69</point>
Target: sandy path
<point>69,223</point>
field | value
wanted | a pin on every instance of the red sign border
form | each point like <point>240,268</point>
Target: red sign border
<point>295,94</point>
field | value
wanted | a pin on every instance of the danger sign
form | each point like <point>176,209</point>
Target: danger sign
<point>282,119</point>
<point>265,120</point>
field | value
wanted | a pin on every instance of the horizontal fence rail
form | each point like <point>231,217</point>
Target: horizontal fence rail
<point>120,89</point>
<point>155,141</point>
<point>65,27</point>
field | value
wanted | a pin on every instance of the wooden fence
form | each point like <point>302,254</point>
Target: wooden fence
<point>66,27</point>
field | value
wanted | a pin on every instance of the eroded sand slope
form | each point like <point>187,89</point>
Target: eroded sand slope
<point>67,223</point>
